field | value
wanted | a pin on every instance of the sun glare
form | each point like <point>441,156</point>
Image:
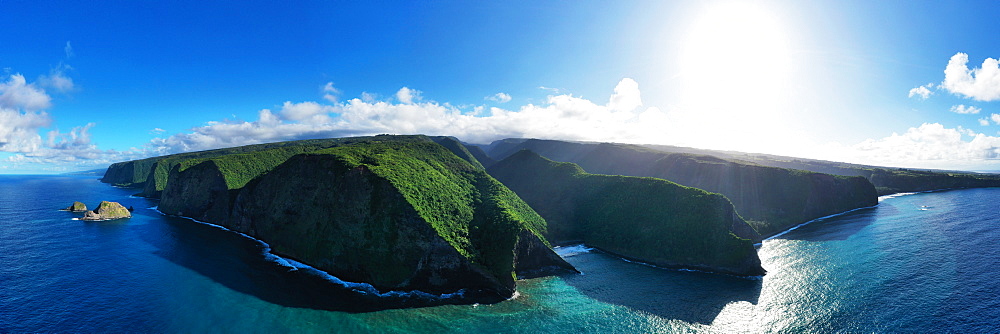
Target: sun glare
<point>735,67</point>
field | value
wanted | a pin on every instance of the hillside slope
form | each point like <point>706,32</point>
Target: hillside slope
<point>770,199</point>
<point>648,219</point>
<point>398,212</point>
<point>887,180</point>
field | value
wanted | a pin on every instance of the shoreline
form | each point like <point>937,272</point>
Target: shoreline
<point>698,269</point>
<point>809,222</point>
<point>880,199</point>
<point>360,287</point>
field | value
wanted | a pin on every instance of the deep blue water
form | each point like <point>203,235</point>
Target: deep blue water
<point>925,262</point>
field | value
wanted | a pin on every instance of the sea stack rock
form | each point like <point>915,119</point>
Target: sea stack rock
<point>107,211</point>
<point>77,207</point>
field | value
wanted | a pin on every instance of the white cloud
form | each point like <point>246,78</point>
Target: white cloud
<point>549,89</point>
<point>626,96</point>
<point>69,50</point>
<point>984,121</point>
<point>929,144</point>
<point>622,118</point>
<point>980,84</point>
<point>560,117</point>
<point>19,130</point>
<point>58,80</point>
<point>157,131</point>
<point>305,110</point>
<point>16,93</point>
<point>499,98</point>
<point>962,109</point>
<point>922,91</point>
<point>330,93</point>
<point>22,120</point>
<point>368,97</point>
<point>407,95</point>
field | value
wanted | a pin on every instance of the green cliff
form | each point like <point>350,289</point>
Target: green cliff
<point>770,199</point>
<point>131,174</point>
<point>648,219</point>
<point>398,212</point>
<point>151,174</point>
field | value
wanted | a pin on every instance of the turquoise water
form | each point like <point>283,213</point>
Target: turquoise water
<point>916,263</point>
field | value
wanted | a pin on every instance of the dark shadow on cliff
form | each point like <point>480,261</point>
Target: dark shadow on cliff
<point>241,264</point>
<point>839,227</point>
<point>694,297</point>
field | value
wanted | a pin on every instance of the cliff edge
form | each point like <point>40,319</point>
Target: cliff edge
<point>647,219</point>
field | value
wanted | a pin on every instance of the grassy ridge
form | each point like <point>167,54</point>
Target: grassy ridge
<point>395,211</point>
<point>129,173</point>
<point>771,199</point>
<point>650,219</point>
<point>151,174</point>
<point>470,210</point>
<point>239,165</point>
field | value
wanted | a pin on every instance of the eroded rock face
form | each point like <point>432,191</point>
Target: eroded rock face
<point>107,211</point>
<point>198,192</point>
<point>353,224</point>
<point>646,219</point>
<point>77,207</point>
<point>770,199</point>
<point>401,213</point>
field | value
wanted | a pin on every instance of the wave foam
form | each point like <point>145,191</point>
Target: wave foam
<point>882,198</point>
<point>363,288</point>
<point>567,251</point>
<point>816,220</point>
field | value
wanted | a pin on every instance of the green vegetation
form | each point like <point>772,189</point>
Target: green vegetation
<point>151,174</point>
<point>129,173</point>
<point>772,199</point>
<point>452,195</point>
<point>399,212</point>
<point>107,211</point>
<point>644,218</point>
<point>458,149</point>
<point>889,181</point>
<point>77,207</point>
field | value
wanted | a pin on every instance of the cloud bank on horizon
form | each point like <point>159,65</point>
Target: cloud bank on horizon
<point>621,118</point>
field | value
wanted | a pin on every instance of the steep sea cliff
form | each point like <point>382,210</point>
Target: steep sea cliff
<point>771,199</point>
<point>400,213</point>
<point>918,263</point>
<point>646,219</point>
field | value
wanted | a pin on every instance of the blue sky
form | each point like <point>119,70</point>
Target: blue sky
<point>83,85</point>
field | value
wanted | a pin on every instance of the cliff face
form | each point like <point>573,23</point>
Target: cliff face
<point>648,219</point>
<point>890,181</point>
<point>198,192</point>
<point>398,212</point>
<point>887,180</point>
<point>355,225</point>
<point>128,173</point>
<point>771,199</point>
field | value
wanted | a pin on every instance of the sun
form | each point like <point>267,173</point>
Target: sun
<point>736,64</point>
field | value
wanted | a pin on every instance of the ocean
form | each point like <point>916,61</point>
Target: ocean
<point>926,262</point>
